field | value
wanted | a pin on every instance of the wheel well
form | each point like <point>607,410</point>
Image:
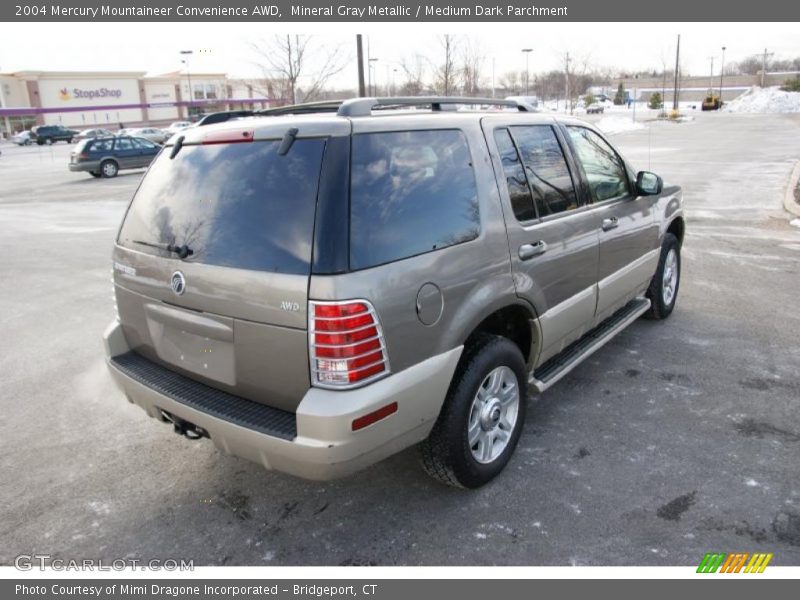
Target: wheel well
<point>676,228</point>
<point>512,322</point>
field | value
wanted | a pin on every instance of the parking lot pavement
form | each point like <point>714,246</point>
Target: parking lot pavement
<point>677,438</point>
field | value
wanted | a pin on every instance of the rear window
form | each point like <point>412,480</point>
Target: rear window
<point>234,205</point>
<point>411,192</point>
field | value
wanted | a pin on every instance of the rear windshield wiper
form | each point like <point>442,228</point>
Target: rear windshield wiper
<point>181,251</point>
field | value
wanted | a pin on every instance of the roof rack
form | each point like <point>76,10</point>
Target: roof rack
<point>362,107</point>
<point>301,109</point>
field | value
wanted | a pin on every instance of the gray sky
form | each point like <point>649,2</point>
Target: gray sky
<point>154,47</point>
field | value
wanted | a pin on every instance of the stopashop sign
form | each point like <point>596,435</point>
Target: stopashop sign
<point>91,94</point>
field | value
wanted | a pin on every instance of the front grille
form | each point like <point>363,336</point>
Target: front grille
<point>213,402</point>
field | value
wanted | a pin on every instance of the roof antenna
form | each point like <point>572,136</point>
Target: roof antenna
<point>287,141</point>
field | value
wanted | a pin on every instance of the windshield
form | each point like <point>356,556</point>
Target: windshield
<point>237,205</point>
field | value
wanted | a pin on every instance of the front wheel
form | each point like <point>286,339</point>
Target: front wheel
<point>481,420</point>
<point>663,290</point>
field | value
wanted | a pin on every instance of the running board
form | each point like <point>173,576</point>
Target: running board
<point>555,368</point>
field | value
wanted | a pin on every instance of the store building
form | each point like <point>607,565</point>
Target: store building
<point>82,99</point>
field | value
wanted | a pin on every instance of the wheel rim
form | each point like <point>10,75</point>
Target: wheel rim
<point>493,415</point>
<point>109,169</point>
<point>669,283</point>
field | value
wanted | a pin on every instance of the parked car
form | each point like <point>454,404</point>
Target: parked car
<point>594,109</point>
<point>23,138</point>
<point>105,157</point>
<point>49,134</point>
<point>252,312</point>
<point>151,133</point>
<point>93,133</point>
<point>177,126</point>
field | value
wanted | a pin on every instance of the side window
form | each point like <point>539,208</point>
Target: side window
<point>124,144</point>
<point>143,143</point>
<point>102,145</point>
<point>518,190</point>
<point>411,192</point>
<point>604,170</point>
<point>546,168</point>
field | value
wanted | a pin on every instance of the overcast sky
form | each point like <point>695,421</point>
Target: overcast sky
<point>154,47</point>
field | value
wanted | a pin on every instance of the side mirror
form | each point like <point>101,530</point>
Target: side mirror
<point>648,184</point>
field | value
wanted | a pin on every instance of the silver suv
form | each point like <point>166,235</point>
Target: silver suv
<point>317,287</point>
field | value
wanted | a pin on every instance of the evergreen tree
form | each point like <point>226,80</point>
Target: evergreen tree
<point>619,97</point>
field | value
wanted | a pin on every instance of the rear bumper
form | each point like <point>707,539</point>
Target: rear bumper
<point>84,166</point>
<point>325,447</point>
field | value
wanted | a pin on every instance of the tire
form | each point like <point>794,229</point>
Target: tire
<point>108,168</point>
<point>40,142</point>
<point>49,141</point>
<point>69,141</point>
<point>663,290</point>
<point>469,413</point>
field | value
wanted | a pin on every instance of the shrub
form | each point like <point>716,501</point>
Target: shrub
<point>655,100</point>
<point>791,85</point>
<point>619,97</point>
<point>589,99</point>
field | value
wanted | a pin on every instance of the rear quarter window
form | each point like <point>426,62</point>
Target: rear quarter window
<point>412,192</point>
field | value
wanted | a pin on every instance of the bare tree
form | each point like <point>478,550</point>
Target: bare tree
<point>446,75</point>
<point>472,65</point>
<point>511,82</point>
<point>285,62</point>
<point>415,69</point>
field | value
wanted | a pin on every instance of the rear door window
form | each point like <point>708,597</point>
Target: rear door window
<point>411,192</point>
<point>234,205</point>
<point>516,182</point>
<point>102,146</point>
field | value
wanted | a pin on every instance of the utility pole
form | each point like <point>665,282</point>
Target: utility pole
<point>185,61</point>
<point>369,71</point>
<point>677,68</point>
<point>711,76</point>
<point>493,89</point>
<point>764,65</point>
<point>3,105</point>
<point>360,53</point>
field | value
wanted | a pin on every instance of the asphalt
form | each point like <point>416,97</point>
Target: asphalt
<point>677,438</point>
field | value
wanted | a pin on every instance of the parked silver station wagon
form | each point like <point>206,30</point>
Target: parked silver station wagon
<point>317,287</point>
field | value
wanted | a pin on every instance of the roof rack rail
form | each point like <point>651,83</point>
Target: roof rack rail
<point>301,109</point>
<point>362,107</point>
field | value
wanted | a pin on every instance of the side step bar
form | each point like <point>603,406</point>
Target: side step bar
<point>555,368</point>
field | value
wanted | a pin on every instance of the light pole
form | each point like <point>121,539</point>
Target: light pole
<point>185,61</point>
<point>373,77</point>
<point>721,75</point>
<point>527,52</point>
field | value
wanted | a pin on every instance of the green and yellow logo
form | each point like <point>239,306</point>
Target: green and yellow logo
<point>744,562</point>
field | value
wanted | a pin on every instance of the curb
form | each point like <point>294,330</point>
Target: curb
<point>789,203</point>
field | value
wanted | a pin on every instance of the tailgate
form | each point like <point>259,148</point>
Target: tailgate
<point>212,263</point>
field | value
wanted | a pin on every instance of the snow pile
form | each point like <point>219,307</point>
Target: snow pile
<point>618,124</point>
<point>765,100</point>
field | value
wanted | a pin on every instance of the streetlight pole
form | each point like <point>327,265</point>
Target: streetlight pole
<point>527,52</point>
<point>721,76</point>
<point>3,105</point>
<point>185,61</point>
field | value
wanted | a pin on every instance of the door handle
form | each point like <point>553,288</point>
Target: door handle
<point>527,251</point>
<point>610,223</point>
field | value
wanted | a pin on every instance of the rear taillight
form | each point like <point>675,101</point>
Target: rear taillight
<point>346,344</point>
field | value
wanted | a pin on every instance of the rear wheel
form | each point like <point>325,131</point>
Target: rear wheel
<point>481,420</point>
<point>663,290</point>
<point>109,168</point>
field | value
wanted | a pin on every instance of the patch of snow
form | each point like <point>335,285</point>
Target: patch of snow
<point>765,100</point>
<point>613,124</point>
<point>751,483</point>
<point>795,222</point>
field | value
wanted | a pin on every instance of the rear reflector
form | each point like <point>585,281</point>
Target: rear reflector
<point>229,136</point>
<point>346,344</point>
<point>374,417</point>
